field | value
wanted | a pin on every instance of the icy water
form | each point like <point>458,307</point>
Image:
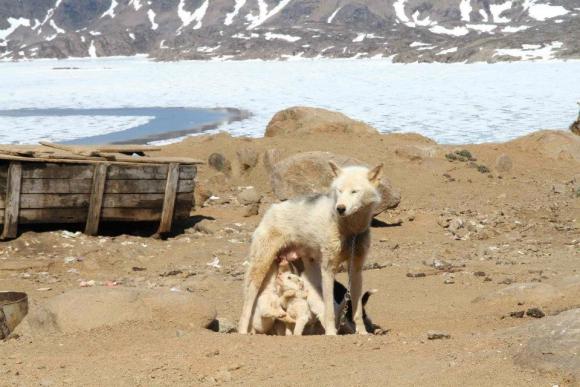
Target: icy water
<point>451,103</point>
<point>144,124</point>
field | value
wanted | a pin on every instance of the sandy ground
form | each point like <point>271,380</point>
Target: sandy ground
<point>517,230</point>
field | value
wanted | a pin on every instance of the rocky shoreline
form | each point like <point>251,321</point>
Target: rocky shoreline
<point>475,257</point>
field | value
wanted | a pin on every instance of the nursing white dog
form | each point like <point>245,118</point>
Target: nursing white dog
<point>326,230</point>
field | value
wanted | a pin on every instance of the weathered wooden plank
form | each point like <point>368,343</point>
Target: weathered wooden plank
<point>109,200</point>
<point>96,200</point>
<point>11,212</point>
<point>79,215</point>
<point>169,200</point>
<point>79,186</point>
<point>115,172</point>
<point>128,148</point>
<point>120,159</point>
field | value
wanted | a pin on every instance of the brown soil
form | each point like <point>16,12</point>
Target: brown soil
<point>516,228</point>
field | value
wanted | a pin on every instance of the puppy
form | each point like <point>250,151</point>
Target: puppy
<point>293,300</point>
<point>348,326</point>
<point>268,308</point>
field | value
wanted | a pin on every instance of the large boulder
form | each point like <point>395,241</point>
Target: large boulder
<point>551,344</point>
<point>302,120</point>
<point>88,308</point>
<point>308,173</point>
<point>555,144</point>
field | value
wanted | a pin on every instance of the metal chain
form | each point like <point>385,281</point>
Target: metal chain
<point>347,296</point>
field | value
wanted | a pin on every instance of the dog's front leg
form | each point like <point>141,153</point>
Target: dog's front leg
<point>328,298</point>
<point>361,248</point>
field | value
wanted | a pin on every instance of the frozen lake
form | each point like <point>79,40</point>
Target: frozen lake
<point>451,103</point>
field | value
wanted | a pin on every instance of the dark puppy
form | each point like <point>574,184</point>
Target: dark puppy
<point>347,326</point>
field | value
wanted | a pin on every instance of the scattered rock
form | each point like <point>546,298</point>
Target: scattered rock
<point>415,153</point>
<point>206,226</point>
<point>518,314</point>
<point>271,158</point>
<point>309,173</point>
<point>437,335</point>
<point>218,162</point>
<point>252,210</point>
<point>248,158</point>
<point>524,293</point>
<point>535,312</point>
<point>559,188</point>
<point>304,120</point>
<point>249,196</point>
<point>223,325</point>
<point>503,163</point>
<point>416,275</point>
<point>455,225</point>
<point>449,281</point>
<point>479,274</point>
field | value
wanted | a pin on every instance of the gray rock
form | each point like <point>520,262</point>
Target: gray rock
<point>218,162</point>
<point>438,335</point>
<point>309,172</point>
<point>551,344</point>
<point>559,188</point>
<point>503,163</point>
<point>271,157</point>
<point>206,226</point>
<point>252,210</point>
<point>248,158</point>
<point>249,196</point>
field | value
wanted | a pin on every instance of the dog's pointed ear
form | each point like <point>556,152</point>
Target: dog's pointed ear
<point>375,174</point>
<point>334,168</point>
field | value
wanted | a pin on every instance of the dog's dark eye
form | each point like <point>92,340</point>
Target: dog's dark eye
<point>353,191</point>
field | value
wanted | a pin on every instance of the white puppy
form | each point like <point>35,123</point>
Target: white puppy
<point>294,301</point>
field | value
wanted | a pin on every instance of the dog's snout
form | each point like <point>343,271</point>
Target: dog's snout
<point>341,208</point>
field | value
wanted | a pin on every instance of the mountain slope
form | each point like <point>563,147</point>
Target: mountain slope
<point>407,30</point>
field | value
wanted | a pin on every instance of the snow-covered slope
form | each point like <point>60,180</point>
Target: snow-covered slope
<point>407,30</point>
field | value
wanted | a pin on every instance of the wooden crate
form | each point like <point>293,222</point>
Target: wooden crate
<point>76,191</point>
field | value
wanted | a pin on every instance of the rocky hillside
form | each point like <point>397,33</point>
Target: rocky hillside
<point>406,30</point>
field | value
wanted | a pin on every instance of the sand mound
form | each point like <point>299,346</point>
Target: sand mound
<point>551,143</point>
<point>84,309</point>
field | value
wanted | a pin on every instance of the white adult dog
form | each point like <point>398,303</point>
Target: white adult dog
<point>328,229</point>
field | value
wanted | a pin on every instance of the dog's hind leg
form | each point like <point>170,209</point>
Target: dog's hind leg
<point>263,252</point>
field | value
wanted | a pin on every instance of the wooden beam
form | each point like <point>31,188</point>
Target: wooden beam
<point>13,186</point>
<point>169,200</point>
<point>96,200</point>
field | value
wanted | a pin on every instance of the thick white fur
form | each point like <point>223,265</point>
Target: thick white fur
<point>268,307</point>
<point>294,302</point>
<point>329,230</point>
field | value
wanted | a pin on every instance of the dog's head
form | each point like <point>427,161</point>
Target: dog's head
<point>355,187</point>
<point>288,281</point>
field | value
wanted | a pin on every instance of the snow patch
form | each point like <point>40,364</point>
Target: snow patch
<point>132,35</point>
<point>207,49</point>
<point>14,24</point>
<point>482,27</point>
<point>465,9</point>
<point>188,17</point>
<point>510,29</point>
<point>237,7</point>
<point>288,38</point>
<point>531,51</point>
<point>483,15</point>
<point>418,44</point>
<point>457,31</point>
<point>264,14</point>
<point>56,28</point>
<point>136,4</point>
<point>95,33</point>
<point>498,9</point>
<point>111,11</point>
<point>423,23</point>
<point>541,12</point>
<point>331,17</point>
<point>448,51</point>
<point>151,15</point>
<point>92,50</point>
<point>399,7</point>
